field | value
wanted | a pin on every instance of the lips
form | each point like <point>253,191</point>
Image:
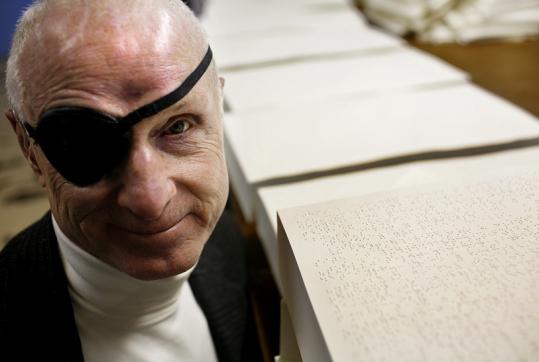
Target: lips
<point>147,228</point>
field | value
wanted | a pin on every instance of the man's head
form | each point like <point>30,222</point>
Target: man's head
<point>151,213</point>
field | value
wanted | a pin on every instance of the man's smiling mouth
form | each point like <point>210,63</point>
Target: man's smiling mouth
<point>150,228</point>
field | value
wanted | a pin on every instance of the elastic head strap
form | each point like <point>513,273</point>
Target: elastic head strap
<point>166,101</point>
<point>158,105</point>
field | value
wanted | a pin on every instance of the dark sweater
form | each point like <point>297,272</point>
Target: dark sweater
<point>36,315</point>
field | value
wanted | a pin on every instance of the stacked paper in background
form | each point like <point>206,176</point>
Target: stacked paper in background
<point>437,274</point>
<point>430,131</point>
<point>250,38</point>
<point>297,118</point>
<point>256,33</point>
<point>299,110</point>
<point>378,72</point>
<point>286,145</point>
<point>321,106</point>
<point>461,21</point>
<point>270,199</point>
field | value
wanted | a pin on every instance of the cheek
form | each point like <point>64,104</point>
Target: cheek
<point>72,205</point>
<point>204,173</point>
<point>58,189</point>
<point>212,172</point>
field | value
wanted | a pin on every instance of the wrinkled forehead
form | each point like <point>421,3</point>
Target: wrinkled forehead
<point>107,53</point>
<point>129,23</point>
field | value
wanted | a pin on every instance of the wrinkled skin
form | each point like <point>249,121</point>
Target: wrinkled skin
<point>153,215</point>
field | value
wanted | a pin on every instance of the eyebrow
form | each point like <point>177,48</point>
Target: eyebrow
<point>176,107</point>
<point>172,98</point>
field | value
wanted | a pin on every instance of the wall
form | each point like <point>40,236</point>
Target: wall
<point>10,11</point>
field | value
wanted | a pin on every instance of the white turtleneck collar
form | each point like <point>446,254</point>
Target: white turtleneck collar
<point>121,318</point>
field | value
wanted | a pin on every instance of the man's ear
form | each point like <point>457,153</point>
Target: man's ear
<point>222,82</point>
<point>26,145</point>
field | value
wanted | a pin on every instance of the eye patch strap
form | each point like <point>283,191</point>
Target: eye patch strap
<point>84,145</point>
<point>171,98</point>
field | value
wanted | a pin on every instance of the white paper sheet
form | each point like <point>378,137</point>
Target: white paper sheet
<point>244,33</point>
<point>325,80</point>
<point>319,136</point>
<point>244,10</point>
<point>273,198</point>
<point>280,17</point>
<point>438,274</point>
<point>256,49</point>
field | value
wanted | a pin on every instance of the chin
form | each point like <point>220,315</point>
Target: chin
<point>158,269</point>
<point>157,263</point>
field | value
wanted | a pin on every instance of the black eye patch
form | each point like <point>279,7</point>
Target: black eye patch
<point>84,145</point>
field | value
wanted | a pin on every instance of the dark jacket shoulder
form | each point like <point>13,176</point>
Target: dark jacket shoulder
<point>36,316</point>
<point>219,283</point>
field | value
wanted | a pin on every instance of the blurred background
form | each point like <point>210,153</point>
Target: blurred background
<point>22,200</point>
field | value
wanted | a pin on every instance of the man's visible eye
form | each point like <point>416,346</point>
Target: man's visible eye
<point>178,127</point>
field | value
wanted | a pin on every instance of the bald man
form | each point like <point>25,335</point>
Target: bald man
<point>117,107</point>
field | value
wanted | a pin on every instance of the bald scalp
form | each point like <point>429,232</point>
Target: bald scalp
<point>53,35</point>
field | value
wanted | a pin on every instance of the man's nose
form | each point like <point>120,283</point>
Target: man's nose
<point>146,186</point>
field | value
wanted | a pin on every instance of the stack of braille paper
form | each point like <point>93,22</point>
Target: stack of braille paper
<point>322,106</point>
